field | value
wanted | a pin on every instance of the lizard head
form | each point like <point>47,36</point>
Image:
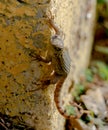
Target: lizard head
<point>57,41</point>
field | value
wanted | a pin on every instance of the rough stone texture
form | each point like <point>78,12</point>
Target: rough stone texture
<point>24,31</point>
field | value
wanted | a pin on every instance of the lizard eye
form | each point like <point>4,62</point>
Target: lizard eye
<point>54,37</point>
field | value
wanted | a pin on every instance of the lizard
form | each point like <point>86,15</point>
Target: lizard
<point>64,64</point>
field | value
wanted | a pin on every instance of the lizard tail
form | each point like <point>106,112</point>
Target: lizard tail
<point>57,99</point>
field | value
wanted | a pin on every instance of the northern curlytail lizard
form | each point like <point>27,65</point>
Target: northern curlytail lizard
<point>64,61</point>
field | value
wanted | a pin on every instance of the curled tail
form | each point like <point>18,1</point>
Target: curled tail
<point>58,101</point>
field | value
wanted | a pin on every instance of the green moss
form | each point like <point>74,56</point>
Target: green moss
<point>102,70</point>
<point>78,90</point>
<point>89,75</point>
<point>101,1</point>
<point>70,110</point>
